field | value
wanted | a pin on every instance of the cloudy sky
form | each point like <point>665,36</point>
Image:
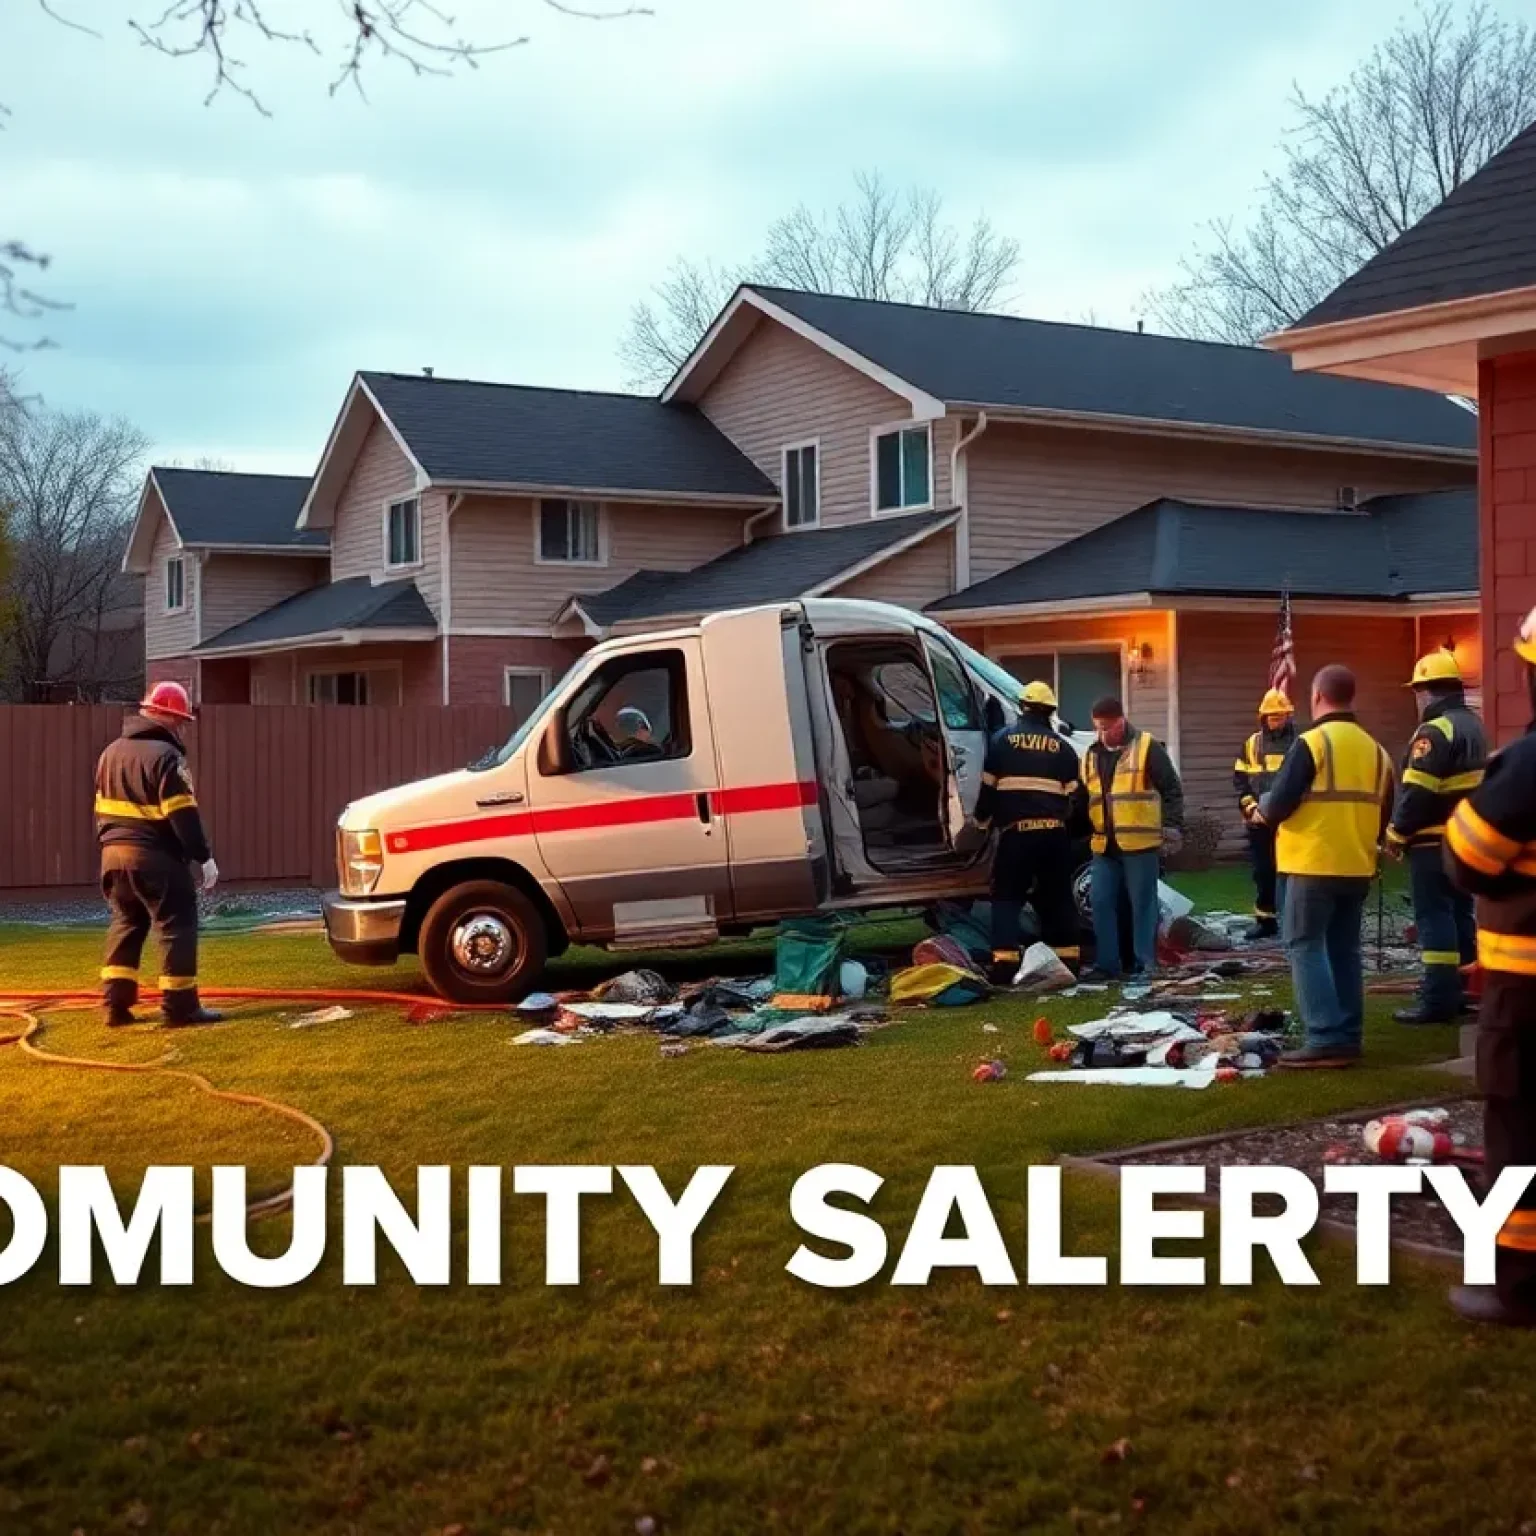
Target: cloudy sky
<point>228,272</point>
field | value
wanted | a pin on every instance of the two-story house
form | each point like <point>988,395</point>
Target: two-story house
<point>1117,512</point>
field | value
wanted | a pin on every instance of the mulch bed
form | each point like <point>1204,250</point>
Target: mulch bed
<point>1419,1223</point>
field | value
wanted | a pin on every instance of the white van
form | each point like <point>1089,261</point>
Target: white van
<point>676,787</point>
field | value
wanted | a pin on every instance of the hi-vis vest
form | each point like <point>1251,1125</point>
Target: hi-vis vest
<point>1135,808</point>
<point>1335,829</point>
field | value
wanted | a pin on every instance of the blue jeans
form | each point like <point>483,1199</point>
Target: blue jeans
<point>1322,934</point>
<point>1136,874</point>
<point>1447,932</point>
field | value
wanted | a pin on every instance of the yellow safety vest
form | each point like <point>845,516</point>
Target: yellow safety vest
<point>1135,808</point>
<point>1336,828</point>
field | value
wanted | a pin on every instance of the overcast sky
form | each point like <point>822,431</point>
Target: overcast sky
<point>228,272</point>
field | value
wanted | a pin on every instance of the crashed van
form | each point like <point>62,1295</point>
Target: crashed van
<point>677,787</point>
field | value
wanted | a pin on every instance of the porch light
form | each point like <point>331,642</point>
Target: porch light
<point>1139,658</point>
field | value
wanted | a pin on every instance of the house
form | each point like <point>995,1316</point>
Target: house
<point>1450,306</point>
<point>1116,510</point>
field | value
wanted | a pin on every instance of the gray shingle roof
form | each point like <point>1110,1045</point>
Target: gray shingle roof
<point>354,604</point>
<point>210,506</point>
<point>1394,547</point>
<point>511,434</point>
<point>1481,239</point>
<point>770,570</point>
<point>1003,362</point>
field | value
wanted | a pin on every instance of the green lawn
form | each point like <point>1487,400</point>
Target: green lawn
<point>750,1401</point>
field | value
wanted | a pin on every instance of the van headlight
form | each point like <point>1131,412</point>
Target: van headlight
<point>360,857</point>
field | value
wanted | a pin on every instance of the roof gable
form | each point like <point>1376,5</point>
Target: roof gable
<point>1044,368</point>
<point>1480,240</point>
<point>1393,548</point>
<point>222,509</point>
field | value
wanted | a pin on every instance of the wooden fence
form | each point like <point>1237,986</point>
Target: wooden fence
<point>271,780</point>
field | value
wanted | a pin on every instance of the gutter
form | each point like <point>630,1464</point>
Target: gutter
<point>330,637</point>
<point>960,493</point>
<point>757,517</point>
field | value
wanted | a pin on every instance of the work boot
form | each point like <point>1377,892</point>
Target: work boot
<point>1003,967</point>
<point>1483,1304</point>
<point>1420,1014</point>
<point>117,1018</point>
<point>180,1008</point>
<point>1314,1057</point>
<point>1263,928</point>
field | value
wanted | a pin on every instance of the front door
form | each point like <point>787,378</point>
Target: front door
<point>624,810</point>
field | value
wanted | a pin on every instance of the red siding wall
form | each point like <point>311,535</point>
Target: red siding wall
<point>1507,423</point>
<point>477,663</point>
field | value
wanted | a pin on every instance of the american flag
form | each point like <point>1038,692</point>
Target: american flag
<point>1282,660</point>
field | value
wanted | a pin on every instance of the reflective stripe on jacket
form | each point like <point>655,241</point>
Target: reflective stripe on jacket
<point>144,794</point>
<point>1030,776</point>
<point>1490,850</point>
<point>1445,763</point>
<point>1253,774</point>
<point>1135,809</point>
<point>1336,827</point>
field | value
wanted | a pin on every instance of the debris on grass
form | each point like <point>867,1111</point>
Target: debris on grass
<point>989,1072</point>
<point>547,1037</point>
<point>332,1015</point>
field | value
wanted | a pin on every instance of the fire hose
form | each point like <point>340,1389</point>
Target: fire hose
<point>29,1007</point>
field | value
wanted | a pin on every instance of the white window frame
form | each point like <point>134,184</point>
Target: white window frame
<point>813,443</point>
<point>179,562</point>
<point>508,673</point>
<point>539,503</point>
<point>407,565</point>
<point>391,669</point>
<point>875,434</point>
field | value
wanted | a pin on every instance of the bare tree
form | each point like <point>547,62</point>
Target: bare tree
<point>70,480</point>
<point>1449,88</point>
<point>224,35</point>
<point>879,244</point>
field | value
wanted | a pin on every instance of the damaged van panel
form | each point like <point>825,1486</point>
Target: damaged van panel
<point>765,763</point>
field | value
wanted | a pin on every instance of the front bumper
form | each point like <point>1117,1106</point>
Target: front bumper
<point>363,932</point>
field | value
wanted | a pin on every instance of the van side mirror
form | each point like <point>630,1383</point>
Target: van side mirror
<point>554,748</point>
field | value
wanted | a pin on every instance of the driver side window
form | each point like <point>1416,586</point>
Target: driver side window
<point>634,709</point>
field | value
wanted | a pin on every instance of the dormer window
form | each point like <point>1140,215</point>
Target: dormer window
<point>175,584</point>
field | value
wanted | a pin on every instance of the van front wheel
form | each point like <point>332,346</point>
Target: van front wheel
<point>482,942</point>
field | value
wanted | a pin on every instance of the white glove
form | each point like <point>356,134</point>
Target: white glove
<point>210,873</point>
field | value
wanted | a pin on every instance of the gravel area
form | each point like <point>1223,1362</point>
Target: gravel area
<point>1417,1219</point>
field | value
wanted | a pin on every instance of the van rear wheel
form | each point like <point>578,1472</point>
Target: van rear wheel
<point>482,942</point>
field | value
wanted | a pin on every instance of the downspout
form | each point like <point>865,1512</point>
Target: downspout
<point>960,489</point>
<point>756,518</point>
<point>445,590</point>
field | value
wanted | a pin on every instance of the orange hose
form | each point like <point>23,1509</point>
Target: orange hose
<point>276,994</point>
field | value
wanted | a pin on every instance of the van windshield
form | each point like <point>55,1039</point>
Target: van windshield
<point>988,670</point>
<point>503,754</point>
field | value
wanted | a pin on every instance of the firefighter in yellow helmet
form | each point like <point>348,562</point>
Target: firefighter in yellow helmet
<point>1443,765</point>
<point>1253,776</point>
<point>1030,793</point>
<point>1490,850</point>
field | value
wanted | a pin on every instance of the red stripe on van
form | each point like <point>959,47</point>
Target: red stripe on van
<point>642,810</point>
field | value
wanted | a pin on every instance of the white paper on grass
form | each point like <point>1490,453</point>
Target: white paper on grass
<point>1173,903</point>
<point>545,1037</point>
<point>1156,1025</point>
<point>1201,1076</point>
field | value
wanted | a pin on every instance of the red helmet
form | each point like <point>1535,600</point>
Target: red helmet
<point>168,699</point>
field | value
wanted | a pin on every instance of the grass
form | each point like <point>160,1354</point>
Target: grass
<point>748,1402</point>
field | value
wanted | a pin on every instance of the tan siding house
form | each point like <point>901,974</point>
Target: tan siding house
<point>912,580</point>
<point>169,632</point>
<point>238,586</point>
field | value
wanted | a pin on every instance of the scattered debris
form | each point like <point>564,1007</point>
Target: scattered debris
<point>990,1029</point>
<point>1418,1137</point>
<point>538,1002</point>
<point>989,1072</point>
<point>673,1048</point>
<point>1043,1032</point>
<point>1042,970</point>
<point>853,979</point>
<point>646,988</point>
<point>938,985</point>
<point>801,1034</point>
<point>546,1037</point>
<point>332,1015</point>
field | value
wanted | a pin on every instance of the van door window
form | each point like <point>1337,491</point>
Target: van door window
<point>633,709</point>
<point>957,699</point>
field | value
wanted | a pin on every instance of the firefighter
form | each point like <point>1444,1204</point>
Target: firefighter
<point>1253,776</point>
<point>1490,850</point>
<point>1029,792</point>
<point>151,836</point>
<point>1443,765</point>
<point>1330,803</point>
<point>1136,811</point>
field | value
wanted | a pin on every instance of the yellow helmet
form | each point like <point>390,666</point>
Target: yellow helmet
<point>1437,667</point>
<point>1039,693</point>
<point>1525,641</point>
<point>1275,703</point>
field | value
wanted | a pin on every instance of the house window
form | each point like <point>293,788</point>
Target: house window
<point>1079,678</point>
<point>175,585</point>
<point>903,469</point>
<point>402,532</point>
<point>1346,498</point>
<point>374,685</point>
<point>802,486</point>
<point>570,533</point>
<point>523,689</point>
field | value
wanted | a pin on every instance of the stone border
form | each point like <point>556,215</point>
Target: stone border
<point>1107,1165</point>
